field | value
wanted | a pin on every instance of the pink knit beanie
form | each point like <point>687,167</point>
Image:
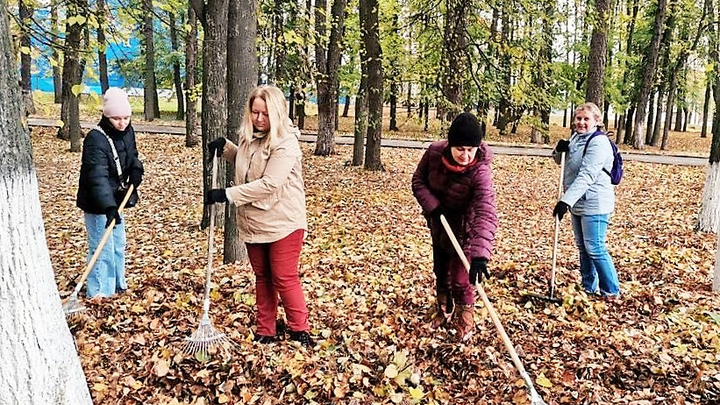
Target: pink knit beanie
<point>115,103</point>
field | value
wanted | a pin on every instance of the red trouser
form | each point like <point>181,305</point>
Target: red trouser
<point>276,272</point>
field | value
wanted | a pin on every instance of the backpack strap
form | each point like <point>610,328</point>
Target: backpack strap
<point>590,138</point>
<point>114,151</point>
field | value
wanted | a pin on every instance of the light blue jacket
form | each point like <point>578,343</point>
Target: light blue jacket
<point>588,190</point>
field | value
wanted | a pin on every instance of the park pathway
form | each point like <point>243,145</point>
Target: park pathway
<point>499,149</point>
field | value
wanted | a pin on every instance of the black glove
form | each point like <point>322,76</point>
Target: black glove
<point>438,211</point>
<point>112,213</point>
<point>560,209</point>
<point>215,148</point>
<point>216,195</point>
<point>562,146</point>
<point>478,269</point>
<point>136,178</point>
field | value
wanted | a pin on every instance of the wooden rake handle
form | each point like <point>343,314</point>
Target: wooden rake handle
<point>496,320</point>
<point>101,245</point>
<point>557,227</point>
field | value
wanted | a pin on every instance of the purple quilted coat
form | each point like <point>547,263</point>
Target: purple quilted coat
<point>467,197</point>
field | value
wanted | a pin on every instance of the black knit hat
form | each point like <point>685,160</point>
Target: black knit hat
<point>466,130</point>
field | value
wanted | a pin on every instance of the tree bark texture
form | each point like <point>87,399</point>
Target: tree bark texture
<point>648,75</point>
<point>56,70</point>
<point>191,94</point>
<point>241,74</point>
<point>706,108</point>
<point>150,92</point>
<point>25,13</point>
<point>371,41</point>
<point>598,53</point>
<point>214,100</point>
<point>361,107</point>
<point>177,77</point>
<point>102,43</point>
<point>453,56</point>
<point>72,76</point>
<point>328,63</point>
<point>39,362</point>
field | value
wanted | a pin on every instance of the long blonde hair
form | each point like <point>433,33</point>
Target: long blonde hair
<point>276,109</point>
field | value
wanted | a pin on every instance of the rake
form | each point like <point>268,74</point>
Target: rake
<point>551,297</point>
<point>72,305</point>
<point>206,338</point>
<point>535,398</point>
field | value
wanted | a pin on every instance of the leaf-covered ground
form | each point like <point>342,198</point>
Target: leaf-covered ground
<point>366,271</point>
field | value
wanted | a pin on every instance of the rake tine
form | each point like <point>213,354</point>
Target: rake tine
<point>206,338</point>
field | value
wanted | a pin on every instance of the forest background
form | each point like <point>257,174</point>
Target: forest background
<point>407,67</point>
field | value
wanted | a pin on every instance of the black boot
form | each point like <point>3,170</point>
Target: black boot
<point>302,337</point>
<point>264,339</point>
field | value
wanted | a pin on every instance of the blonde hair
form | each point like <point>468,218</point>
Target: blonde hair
<point>592,109</point>
<point>276,109</point>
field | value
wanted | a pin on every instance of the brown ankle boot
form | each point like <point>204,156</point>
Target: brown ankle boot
<point>465,321</point>
<point>442,315</point>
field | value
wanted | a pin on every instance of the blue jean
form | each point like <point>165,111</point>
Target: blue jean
<point>108,273</point>
<point>596,265</point>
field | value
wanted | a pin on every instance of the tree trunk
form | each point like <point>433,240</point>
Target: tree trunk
<point>26,13</point>
<point>214,97</point>
<point>668,113</point>
<point>651,116</point>
<point>706,108</point>
<point>678,113</point>
<point>371,41</point>
<point>177,77</point>
<point>102,43</point>
<point>716,275</point>
<point>648,75</point>
<point>710,205</point>
<point>598,53</point>
<point>149,93</point>
<point>72,76</point>
<point>629,125</point>
<point>393,103</point>
<point>409,99</point>
<point>241,74</point>
<point>191,94</point>
<point>655,138</point>
<point>328,63</point>
<point>56,70</point>
<point>346,105</point>
<point>39,362</point>
<point>453,56</point>
<point>361,99</point>
<point>300,108</point>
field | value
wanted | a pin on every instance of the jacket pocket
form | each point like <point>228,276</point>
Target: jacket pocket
<point>268,202</point>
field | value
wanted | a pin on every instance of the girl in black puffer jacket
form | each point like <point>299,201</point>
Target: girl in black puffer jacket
<point>100,191</point>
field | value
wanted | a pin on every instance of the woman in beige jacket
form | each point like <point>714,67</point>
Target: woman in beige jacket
<point>269,201</point>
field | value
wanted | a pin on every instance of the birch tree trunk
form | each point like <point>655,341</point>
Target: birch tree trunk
<point>39,362</point>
